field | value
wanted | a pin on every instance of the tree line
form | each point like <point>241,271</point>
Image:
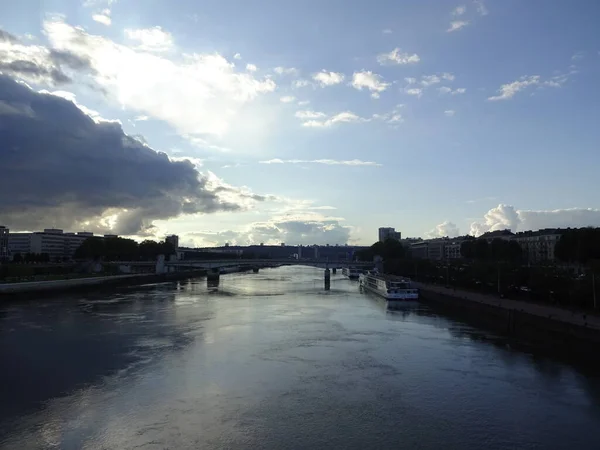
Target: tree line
<point>121,249</point>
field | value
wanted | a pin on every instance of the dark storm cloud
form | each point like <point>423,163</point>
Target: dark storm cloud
<point>61,168</point>
<point>33,71</point>
<point>38,64</point>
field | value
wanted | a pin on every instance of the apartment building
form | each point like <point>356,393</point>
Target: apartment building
<point>538,246</point>
<point>437,249</point>
<point>389,233</point>
<point>4,232</point>
<point>55,242</point>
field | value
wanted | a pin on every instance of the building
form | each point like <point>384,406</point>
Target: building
<point>56,243</point>
<point>173,240</point>
<point>4,232</point>
<point>538,246</point>
<point>437,249</point>
<point>389,233</point>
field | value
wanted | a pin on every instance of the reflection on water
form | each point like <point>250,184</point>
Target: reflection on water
<point>270,360</point>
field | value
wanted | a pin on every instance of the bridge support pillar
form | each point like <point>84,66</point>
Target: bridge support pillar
<point>212,278</point>
<point>255,269</point>
<point>327,279</point>
<point>333,271</point>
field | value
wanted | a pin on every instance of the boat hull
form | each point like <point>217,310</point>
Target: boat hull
<point>392,298</point>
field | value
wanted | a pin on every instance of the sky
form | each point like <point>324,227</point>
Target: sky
<point>300,122</point>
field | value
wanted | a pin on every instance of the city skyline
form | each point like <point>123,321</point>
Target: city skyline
<point>289,123</point>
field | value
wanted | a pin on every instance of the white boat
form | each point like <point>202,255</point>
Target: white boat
<point>351,272</point>
<point>390,287</point>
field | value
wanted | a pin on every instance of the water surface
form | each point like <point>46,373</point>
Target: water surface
<point>272,361</point>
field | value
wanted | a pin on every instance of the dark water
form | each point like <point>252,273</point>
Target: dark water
<point>271,361</point>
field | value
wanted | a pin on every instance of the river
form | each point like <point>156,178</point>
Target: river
<point>272,361</point>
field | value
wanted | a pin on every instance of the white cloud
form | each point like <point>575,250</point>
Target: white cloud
<point>329,162</point>
<point>251,68</point>
<point>321,120</point>
<point>141,118</point>
<point>447,90</point>
<point>397,56</point>
<point>305,114</point>
<point>414,91</point>
<point>428,80</point>
<point>303,226</point>
<point>457,25</point>
<point>410,80</point>
<point>287,99</point>
<point>325,78</point>
<point>578,55</point>
<point>103,17</point>
<point>481,9</point>
<point>303,102</point>
<point>509,90</point>
<point>196,93</point>
<point>507,217</point>
<point>285,70</point>
<point>450,113</point>
<point>300,83</point>
<point>237,56</point>
<point>444,229</point>
<point>448,76</point>
<point>370,81</point>
<point>459,10</point>
<point>387,31</point>
<point>151,39</point>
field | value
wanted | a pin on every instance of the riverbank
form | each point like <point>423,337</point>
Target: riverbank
<point>543,326</point>
<point>58,286</point>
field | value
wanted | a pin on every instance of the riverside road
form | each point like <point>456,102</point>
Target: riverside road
<point>271,360</point>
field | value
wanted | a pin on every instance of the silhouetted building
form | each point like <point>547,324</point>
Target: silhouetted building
<point>173,240</point>
<point>389,233</point>
<point>4,232</point>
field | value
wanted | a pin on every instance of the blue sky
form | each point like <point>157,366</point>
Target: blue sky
<point>436,117</point>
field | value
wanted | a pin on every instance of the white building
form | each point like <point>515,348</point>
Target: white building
<point>389,233</point>
<point>57,244</point>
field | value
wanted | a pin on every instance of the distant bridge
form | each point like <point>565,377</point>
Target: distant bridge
<point>322,263</point>
<point>219,263</point>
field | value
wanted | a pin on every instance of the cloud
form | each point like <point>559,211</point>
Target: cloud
<point>321,120</point>
<point>325,78</point>
<point>444,229</point>
<point>410,80</point>
<point>397,56</point>
<point>302,228</point>
<point>481,8</point>
<point>509,90</point>
<point>303,102</point>
<point>578,55</point>
<point>447,90</point>
<point>251,67</point>
<point>507,217</point>
<point>37,64</point>
<point>428,80</point>
<point>151,39</point>
<point>459,10</point>
<point>369,80</point>
<point>306,114</point>
<point>103,17</point>
<point>237,56</point>
<point>300,83</point>
<point>287,99</point>
<point>285,70</point>
<point>329,162</point>
<point>414,91</point>
<point>197,94</point>
<point>64,169</point>
<point>387,31</point>
<point>457,25</point>
<point>393,117</point>
<point>450,113</point>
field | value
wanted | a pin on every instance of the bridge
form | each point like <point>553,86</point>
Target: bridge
<point>320,263</point>
<point>214,266</point>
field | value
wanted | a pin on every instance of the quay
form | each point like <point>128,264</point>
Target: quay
<point>575,333</point>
